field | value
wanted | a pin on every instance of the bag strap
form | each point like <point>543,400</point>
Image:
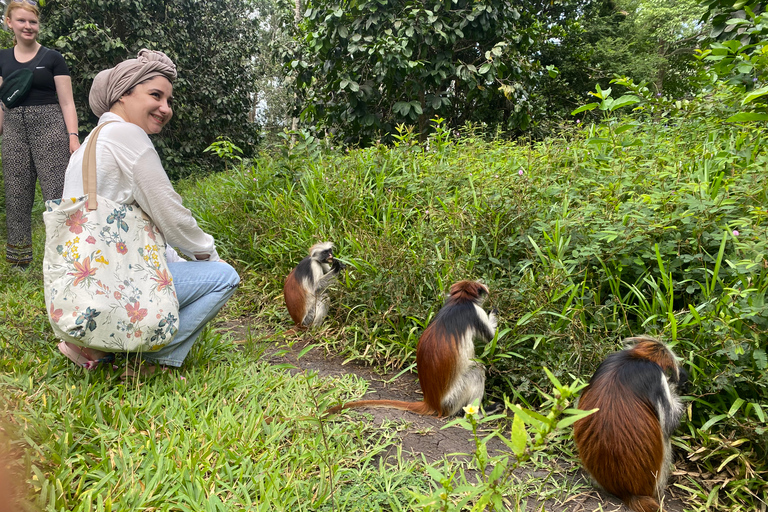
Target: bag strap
<point>89,167</point>
<point>40,54</point>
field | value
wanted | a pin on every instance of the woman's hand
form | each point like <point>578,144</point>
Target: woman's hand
<point>74,143</point>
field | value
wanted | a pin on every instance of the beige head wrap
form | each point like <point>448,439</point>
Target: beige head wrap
<point>110,84</point>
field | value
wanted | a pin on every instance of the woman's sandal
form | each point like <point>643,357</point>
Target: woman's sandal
<point>83,357</point>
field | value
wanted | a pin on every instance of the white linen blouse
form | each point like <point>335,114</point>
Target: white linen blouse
<point>128,170</point>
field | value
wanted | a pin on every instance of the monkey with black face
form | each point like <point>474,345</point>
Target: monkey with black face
<point>450,379</point>
<point>305,286</point>
<point>625,446</point>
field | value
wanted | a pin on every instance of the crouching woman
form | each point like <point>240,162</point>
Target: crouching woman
<point>135,98</point>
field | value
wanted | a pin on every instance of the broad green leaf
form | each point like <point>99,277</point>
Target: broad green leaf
<point>623,101</point>
<point>747,116</point>
<point>753,95</point>
<point>588,106</point>
<point>518,437</point>
<point>402,107</point>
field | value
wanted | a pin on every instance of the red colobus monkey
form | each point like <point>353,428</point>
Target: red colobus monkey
<point>305,286</point>
<point>625,445</point>
<point>450,379</point>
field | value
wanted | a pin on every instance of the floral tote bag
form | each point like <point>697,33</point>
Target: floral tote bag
<point>107,283</point>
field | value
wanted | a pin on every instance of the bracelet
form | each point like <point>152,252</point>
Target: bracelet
<point>75,134</point>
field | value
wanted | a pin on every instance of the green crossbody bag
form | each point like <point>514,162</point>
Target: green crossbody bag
<point>16,87</point>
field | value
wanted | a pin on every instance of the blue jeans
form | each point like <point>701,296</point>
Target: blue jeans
<point>203,287</point>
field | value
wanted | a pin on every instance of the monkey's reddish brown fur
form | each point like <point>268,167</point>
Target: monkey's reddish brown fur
<point>622,445</point>
<point>633,435</point>
<point>294,299</point>
<point>439,354</point>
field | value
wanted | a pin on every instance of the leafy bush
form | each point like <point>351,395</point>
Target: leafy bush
<point>211,44</point>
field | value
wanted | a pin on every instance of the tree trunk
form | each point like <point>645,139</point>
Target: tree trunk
<point>295,120</point>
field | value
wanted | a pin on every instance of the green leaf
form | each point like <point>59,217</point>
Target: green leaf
<point>498,470</point>
<point>623,101</point>
<point>753,95</point>
<point>402,108</point>
<point>760,358</point>
<point>530,417</point>
<point>573,415</point>
<point>735,406</point>
<point>588,106</point>
<point>518,437</point>
<point>747,116</point>
<point>624,127</point>
<point>553,71</point>
<point>714,419</point>
<point>727,460</point>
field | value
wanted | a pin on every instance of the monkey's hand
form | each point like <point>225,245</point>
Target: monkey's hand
<point>337,266</point>
<point>493,318</point>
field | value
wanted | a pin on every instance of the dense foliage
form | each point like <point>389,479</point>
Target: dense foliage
<point>729,19</point>
<point>211,43</point>
<point>648,40</point>
<point>368,66</point>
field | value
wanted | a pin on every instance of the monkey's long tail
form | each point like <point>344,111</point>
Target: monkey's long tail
<point>642,504</point>
<point>416,407</point>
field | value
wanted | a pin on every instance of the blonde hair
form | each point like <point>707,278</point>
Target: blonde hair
<point>14,5</point>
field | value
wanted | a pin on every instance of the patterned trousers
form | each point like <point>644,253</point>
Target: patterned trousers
<point>35,146</point>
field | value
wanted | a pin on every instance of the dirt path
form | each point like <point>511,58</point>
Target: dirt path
<point>423,435</point>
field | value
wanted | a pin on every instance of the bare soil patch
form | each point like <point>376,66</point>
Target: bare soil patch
<point>425,435</point>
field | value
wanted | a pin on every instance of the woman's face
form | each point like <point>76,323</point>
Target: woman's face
<point>24,24</point>
<point>148,105</point>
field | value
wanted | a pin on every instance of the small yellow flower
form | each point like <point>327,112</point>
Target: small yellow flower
<point>471,410</point>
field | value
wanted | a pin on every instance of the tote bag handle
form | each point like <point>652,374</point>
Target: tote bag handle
<point>89,167</point>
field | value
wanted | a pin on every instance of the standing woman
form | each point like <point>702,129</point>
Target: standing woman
<point>39,134</point>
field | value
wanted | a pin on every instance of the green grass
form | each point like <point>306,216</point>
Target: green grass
<point>194,439</point>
